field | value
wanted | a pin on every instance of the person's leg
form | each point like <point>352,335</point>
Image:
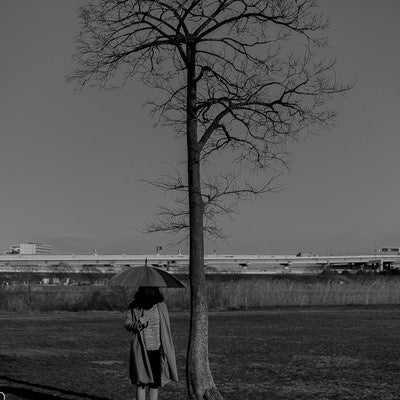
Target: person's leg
<point>141,393</point>
<point>155,362</point>
<point>153,393</point>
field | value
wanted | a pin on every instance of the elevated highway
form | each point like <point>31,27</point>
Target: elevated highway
<point>227,263</point>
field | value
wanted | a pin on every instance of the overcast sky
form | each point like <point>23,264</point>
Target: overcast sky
<point>71,163</point>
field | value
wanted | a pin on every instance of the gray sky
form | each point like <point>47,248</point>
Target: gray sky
<point>71,163</point>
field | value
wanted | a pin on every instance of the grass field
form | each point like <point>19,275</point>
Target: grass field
<point>297,354</point>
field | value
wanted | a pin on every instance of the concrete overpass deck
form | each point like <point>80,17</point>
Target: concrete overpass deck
<point>181,259</point>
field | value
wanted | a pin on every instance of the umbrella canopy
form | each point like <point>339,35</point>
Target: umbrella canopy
<point>145,276</point>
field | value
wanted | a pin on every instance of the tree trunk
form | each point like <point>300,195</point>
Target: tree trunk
<point>200,383</point>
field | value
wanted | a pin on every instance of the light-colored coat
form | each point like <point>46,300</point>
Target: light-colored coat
<point>139,365</point>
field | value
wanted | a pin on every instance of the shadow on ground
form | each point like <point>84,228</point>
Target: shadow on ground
<point>21,389</point>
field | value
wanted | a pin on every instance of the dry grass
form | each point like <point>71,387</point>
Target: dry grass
<point>224,294</point>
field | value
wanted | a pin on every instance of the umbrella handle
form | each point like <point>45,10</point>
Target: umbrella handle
<point>142,325</point>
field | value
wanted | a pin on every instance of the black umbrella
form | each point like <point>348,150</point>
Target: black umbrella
<point>145,276</point>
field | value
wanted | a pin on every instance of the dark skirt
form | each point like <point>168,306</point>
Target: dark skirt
<point>155,364</point>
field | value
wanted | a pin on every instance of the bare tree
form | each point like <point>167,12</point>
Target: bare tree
<point>236,77</point>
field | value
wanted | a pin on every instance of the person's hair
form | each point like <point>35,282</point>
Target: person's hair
<point>146,297</point>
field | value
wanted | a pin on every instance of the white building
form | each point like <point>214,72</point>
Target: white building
<point>30,248</point>
<point>389,250</point>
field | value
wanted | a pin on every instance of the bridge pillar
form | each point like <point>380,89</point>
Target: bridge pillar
<point>380,269</point>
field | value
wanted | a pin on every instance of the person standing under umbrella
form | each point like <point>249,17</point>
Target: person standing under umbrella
<point>152,354</point>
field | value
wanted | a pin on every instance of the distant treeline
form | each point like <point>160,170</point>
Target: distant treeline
<point>225,293</point>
